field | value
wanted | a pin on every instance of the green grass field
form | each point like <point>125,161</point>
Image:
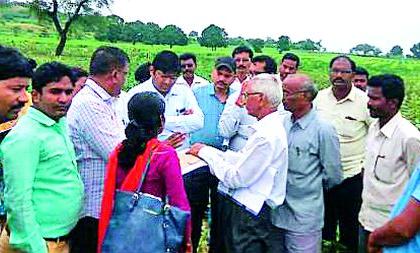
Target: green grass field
<point>78,52</point>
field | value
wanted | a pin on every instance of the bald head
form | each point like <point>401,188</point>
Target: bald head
<point>300,83</point>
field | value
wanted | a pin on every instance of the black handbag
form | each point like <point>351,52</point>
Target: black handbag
<point>143,223</point>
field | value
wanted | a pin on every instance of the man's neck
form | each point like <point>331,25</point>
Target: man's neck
<point>342,91</point>
<point>384,120</point>
<point>298,114</point>
<point>266,112</point>
<point>242,76</point>
<point>101,82</point>
<point>189,79</point>
<point>221,94</point>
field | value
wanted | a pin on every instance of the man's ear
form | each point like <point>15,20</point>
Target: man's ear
<point>393,103</point>
<point>36,96</point>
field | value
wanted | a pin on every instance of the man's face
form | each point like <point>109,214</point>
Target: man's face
<point>13,97</point>
<point>119,78</point>
<point>379,106</point>
<point>243,62</point>
<point>360,81</point>
<point>188,68</point>
<point>341,73</point>
<point>164,81</point>
<point>257,68</point>
<point>287,67</point>
<point>223,78</point>
<point>55,98</point>
<point>293,95</point>
<point>253,100</point>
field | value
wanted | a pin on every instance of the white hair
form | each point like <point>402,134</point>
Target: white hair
<point>268,85</point>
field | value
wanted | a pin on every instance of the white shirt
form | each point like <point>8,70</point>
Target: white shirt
<point>180,97</point>
<point>392,153</point>
<point>197,82</point>
<point>258,172</point>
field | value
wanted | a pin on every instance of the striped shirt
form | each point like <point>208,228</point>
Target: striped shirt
<point>95,130</point>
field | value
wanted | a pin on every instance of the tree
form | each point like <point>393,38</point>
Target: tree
<point>396,51</point>
<point>55,9</point>
<point>213,37</point>
<point>270,42</point>
<point>173,35</point>
<point>365,49</point>
<point>151,33</point>
<point>284,43</point>
<point>257,44</point>
<point>415,50</point>
<point>236,41</point>
<point>193,34</point>
<point>308,45</point>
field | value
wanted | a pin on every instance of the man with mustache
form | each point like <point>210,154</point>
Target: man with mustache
<point>345,107</point>
<point>289,65</point>
<point>212,99</point>
<point>182,113</point>
<point>392,154</point>
<point>44,191</point>
<point>15,74</point>
<point>243,56</point>
<point>188,64</point>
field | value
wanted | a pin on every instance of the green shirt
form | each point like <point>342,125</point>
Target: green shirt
<point>43,189</point>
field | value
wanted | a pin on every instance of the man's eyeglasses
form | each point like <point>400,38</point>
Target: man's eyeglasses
<point>246,95</point>
<point>189,65</point>
<point>341,71</point>
<point>289,94</point>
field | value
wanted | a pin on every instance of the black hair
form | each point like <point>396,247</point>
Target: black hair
<point>361,71</point>
<point>106,59</point>
<point>270,63</point>
<point>48,73</point>
<point>352,63</point>
<point>142,73</point>
<point>14,64</point>
<point>145,112</point>
<point>167,62</point>
<point>186,56</point>
<point>78,73</point>
<point>292,57</point>
<point>242,49</point>
<point>392,86</point>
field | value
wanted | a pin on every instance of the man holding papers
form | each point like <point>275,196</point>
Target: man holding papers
<point>253,180</point>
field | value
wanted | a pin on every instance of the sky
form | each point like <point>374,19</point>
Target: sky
<point>340,25</point>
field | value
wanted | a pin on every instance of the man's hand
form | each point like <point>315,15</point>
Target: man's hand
<point>176,140</point>
<point>372,247</point>
<point>188,112</point>
<point>241,101</point>
<point>195,148</point>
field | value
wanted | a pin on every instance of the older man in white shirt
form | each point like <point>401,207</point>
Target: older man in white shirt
<point>182,113</point>
<point>254,179</point>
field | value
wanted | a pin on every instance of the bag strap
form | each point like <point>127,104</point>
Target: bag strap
<point>143,177</point>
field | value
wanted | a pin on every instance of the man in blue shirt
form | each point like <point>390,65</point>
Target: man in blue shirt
<point>402,232</point>
<point>314,161</point>
<point>211,99</point>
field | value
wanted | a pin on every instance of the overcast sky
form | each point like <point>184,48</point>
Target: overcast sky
<point>339,24</point>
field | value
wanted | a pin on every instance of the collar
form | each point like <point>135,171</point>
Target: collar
<point>265,121</point>
<point>305,120</point>
<point>101,92</point>
<point>351,96</point>
<point>389,128</point>
<point>42,118</point>
<point>212,92</point>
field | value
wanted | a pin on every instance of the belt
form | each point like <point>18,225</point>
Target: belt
<point>63,238</point>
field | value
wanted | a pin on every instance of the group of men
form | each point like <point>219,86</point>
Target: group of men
<point>278,152</point>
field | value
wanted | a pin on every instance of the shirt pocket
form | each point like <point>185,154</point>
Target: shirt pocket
<point>349,126</point>
<point>383,170</point>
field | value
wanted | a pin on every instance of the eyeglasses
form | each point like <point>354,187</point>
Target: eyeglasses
<point>247,94</point>
<point>341,71</point>
<point>189,65</point>
<point>289,94</point>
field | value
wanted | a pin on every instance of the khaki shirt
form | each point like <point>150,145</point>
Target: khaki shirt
<point>351,119</point>
<point>392,153</point>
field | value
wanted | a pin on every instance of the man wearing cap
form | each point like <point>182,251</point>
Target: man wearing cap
<point>182,113</point>
<point>211,99</point>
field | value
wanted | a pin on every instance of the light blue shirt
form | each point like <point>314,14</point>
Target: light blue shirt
<point>411,191</point>
<point>212,109</point>
<point>314,162</point>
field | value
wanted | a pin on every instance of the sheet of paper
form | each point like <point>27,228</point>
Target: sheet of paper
<point>189,162</point>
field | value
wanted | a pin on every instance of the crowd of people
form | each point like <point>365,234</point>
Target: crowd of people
<point>287,168</point>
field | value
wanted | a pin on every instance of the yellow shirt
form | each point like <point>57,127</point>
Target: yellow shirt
<point>351,119</point>
<point>392,154</point>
